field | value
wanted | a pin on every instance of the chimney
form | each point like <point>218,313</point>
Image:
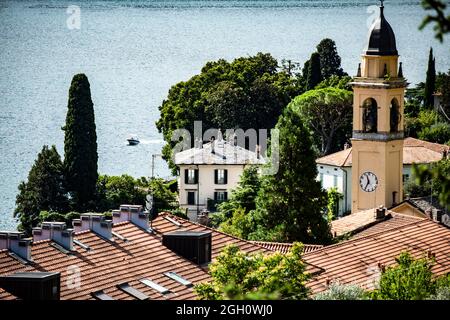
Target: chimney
<point>346,146</point>
<point>139,217</point>
<point>191,245</point>
<point>133,213</point>
<point>380,213</point>
<point>95,222</point>
<point>33,285</point>
<point>437,215</point>
<point>15,242</point>
<point>55,231</point>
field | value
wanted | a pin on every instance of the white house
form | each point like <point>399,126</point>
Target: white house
<point>208,172</point>
<point>335,170</point>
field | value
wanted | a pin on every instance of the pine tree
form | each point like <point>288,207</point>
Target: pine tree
<point>80,145</point>
<point>330,61</point>
<point>430,84</point>
<point>292,200</point>
<point>43,190</point>
<point>314,72</point>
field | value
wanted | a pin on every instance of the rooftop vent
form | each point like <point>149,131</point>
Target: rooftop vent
<point>55,231</point>
<point>192,245</point>
<point>95,222</point>
<point>33,285</point>
<point>16,243</point>
<point>380,213</point>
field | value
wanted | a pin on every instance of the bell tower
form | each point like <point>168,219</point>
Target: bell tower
<point>377,153</point>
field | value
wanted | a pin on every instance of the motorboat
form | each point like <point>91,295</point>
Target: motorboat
<point>133,140</point>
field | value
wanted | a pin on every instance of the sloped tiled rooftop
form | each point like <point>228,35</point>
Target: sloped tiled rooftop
<point>285,247</point>
<point>358,261</point>
<point>366,223</point>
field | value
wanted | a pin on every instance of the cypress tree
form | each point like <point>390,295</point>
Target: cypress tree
<point>43,190</point>
<point>330,61</point>
<point>80,145</point>
<point>314,72</point>
<point>430,84</point>
<point>292,200</point>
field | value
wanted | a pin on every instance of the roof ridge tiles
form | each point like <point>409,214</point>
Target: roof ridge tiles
<point>373,235</point>
<point>208,228</point>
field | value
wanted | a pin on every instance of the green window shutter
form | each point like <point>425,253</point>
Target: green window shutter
<point>186,176</point>
<point>216,174</point>
<point>225,176</point>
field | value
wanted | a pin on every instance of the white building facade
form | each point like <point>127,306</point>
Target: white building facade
<point>208,172</point>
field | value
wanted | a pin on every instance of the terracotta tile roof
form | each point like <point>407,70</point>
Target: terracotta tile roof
<point>285,247</point>
<point>363,220</point>
<point>219,239</point>
<point>6,295</point>
<point>414,151</point>
<point>356,261</point>
<point>341,158</point>
<point>108,264</point>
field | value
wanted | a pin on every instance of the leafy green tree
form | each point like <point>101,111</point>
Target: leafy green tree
<point>328,115</point>
<point>443,87</point>
<point>248,92</point>
<point>439,175</point>
<point>290,202</point>
<point>410,279</point>
<point>240,276</point>
<point>80,145</point>
<point>440,20</point>
<point>430,84</point>
<point>112,191</point>
<point>437,133</point>
<point>337,291</point>
<point>116,190</point>
<point>43,190</point>
<point>333,203</point>
<point>334,81</point>
<point>330,61</point>
<point>244,195</point>
<point>314,76</point>
<point>240,224</point>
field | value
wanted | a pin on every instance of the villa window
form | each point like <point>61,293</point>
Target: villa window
<point>220,196</point>
<point>191,176</point>
<point>220,176</point>
<point>191,197</point>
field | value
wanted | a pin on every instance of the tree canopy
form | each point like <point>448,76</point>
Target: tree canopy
<point>328,115</point>
<point>430,83</point>
<point>43,190</point>
<point>238,275</point>
<point>249,92</point>
<point>330,61</point>
<point>291,202</point>
<point>80,145</point>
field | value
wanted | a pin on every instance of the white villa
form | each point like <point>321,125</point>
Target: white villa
<point>335,170</point>
<point>208,172</point>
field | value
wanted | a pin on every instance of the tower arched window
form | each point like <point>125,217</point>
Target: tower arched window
<point>395,116</point>
<point>370,115</point>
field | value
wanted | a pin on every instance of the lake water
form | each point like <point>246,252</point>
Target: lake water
<point>133,51</point>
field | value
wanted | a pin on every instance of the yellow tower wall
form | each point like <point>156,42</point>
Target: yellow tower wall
<point>385,160</point>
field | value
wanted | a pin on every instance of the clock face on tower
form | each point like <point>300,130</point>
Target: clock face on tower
<point>368,181</point>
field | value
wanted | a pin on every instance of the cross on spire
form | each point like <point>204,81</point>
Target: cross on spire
<point>382,3</point>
